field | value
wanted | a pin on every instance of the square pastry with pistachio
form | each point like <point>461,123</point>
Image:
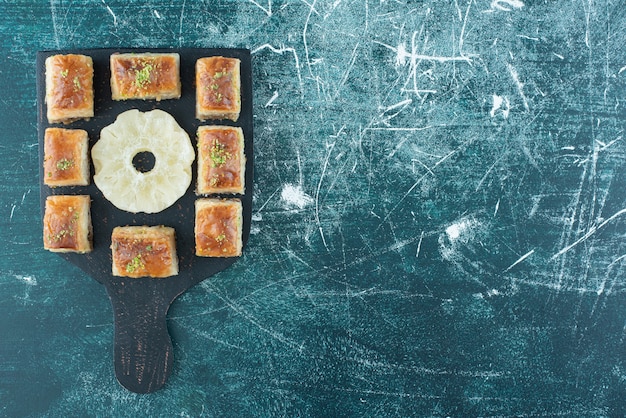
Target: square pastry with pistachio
<point>221,160</point>
<point>218,227</point>
<point>144,251</point>
<point>67,224</point>
<point>66,161</point>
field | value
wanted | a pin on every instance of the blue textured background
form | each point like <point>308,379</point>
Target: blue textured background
<point>439,215</point>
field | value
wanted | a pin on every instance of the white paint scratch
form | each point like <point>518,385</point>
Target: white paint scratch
<point>110,12</point>
<point>180,25</point>
<point>602,287</point>
<point>271,100</point>
<point>519,260</point>
<point>156,14</point>
<point>304,37</point>
<point>457,229</point>
<point>414,58</point>
<point>588,10</point>
<point>401,104</point>
<point>519,84</point>
<point>530,38</point>
<point>402,55</point>
<point>418,128</point>
<point>501,104</point>
<point>29,280</point>
<point>506,5</point>
<point>310,7</point>
<point>385,117</point>
<point>589,233</point>
<point>295,196</point>
<point>419,245</point>
<point>53,13</point>
<point>493,292</point>
<point>621,70</point>
<point>12,210</point>
<point>317,195</point>
<point>300,176</point>
<point>258,212</point>
<point>267,10</point>
<point>454,240</point>
<point>280,51</point>
<point>462,35</point>
<point>348,70</point>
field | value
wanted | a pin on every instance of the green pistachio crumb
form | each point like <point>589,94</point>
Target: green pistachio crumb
<point>77,85</point>
<point>214,180</point>
<point>64,73</point>
<point>142,77</point>
<point>220,238</point>
<point>218,154</point>
<point>64,164</point>
<point>60,235</point>
<point>134,264</point>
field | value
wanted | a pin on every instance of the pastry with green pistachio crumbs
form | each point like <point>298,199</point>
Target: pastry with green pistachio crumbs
<point>69,88</point>
<point>218,88</point>
<point>145,76</point>
<point>221,160</point>
<point>66,161</point>
<point>67,224</point>
<point>144,251</point>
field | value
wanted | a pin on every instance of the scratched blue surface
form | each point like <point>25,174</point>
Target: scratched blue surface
<point>439,215</point>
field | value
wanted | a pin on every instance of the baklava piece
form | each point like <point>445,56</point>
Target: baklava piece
<point>221,160</point>
<point>67,224</point>
<point>145,76</point>
<point>69,88</point>
<point>218,88</point>
<point>218,227</point>
<point>144,251</point>
<point>65,157</point>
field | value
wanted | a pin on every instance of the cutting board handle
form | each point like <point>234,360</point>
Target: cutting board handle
<point>143,347</point>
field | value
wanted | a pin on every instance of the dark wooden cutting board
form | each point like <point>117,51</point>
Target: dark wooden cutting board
<point>142,346</point>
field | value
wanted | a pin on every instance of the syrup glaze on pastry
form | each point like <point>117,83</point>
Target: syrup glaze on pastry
<point>67,224</point>
<point>145,76</point>
<point>218,88</point>
<point>221,160</point>
<point>218,227</point>
<point>69,88</point>
<point>140,251</point>
<point>65,157</point>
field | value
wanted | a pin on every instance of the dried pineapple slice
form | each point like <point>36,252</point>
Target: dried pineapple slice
<point>133,132</point>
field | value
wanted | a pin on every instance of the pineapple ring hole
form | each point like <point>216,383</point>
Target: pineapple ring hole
<point>144,161</point>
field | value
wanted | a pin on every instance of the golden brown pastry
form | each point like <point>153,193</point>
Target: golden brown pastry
<point>69,88</point>
<point>218,227</point>
<point>65,157</point>
<point>144,251</point>
<point>145,76</point>
<point>221,160</point>
<point>67,224</point>
<point>218,88</point>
